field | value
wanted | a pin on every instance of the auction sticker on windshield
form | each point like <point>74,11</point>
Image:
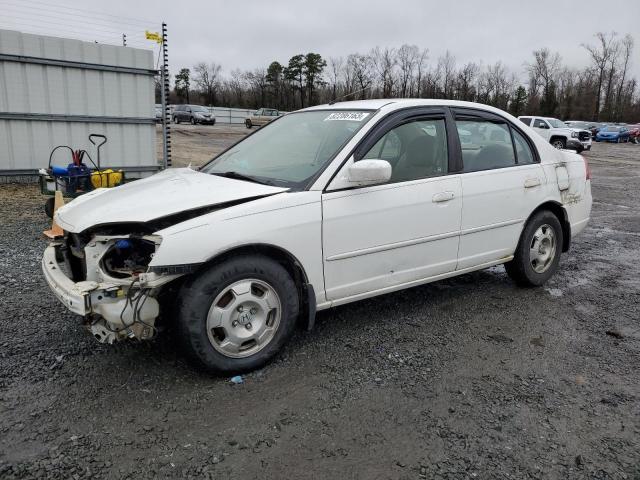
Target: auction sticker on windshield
<point>352,116</point>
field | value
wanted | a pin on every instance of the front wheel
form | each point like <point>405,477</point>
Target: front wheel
<point>247,123</point>
<point>176,121</point>
<point>235,316</point>
<point>537,255</point>
<point>193,121</point>
<point>558,143</point>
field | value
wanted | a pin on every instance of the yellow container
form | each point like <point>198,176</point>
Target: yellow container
<point>106,178</point>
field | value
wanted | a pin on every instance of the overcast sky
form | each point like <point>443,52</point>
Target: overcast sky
<point>251,33</point>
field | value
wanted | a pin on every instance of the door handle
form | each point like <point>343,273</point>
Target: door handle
<point>532,182</point>
<point>443,197</point>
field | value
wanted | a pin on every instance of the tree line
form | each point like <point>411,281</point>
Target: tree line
<point>603,90</point>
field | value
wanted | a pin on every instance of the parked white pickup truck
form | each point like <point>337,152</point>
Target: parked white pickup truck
<point>559,134</point>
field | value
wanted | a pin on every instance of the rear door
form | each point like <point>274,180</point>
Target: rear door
<point>502,183</point>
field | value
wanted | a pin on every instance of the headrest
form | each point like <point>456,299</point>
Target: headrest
<point>420,150</point>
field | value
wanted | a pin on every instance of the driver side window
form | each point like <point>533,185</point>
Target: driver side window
<point>415,150</point>
<point>539,123</point>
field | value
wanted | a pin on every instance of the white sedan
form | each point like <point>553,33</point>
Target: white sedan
<point>324,206</point>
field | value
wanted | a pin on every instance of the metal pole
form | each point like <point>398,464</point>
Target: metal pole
<point>166,128</point>
<point>124,39</point>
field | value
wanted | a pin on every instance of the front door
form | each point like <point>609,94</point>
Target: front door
<point>378,238</point>
<point>542,127</point>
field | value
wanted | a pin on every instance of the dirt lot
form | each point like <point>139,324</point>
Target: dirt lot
<point>465,378</point>
<point>197,144</point>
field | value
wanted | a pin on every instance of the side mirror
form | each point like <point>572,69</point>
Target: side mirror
<point>369,172</point>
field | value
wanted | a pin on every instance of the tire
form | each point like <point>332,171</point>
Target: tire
<point>247,123</point>
<point>559,143</point>
<point>192,121</point>
<point>221,310</point>
<point>176,121</point>
<point>49,206</point>
<point>618,140</point>
<point>528,273</point>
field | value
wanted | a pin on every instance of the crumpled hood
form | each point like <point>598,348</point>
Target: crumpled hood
<point>171,191</point>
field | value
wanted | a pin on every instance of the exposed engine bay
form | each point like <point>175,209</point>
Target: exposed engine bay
<point>110,270</point>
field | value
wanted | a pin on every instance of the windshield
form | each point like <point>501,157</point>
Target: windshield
<point>197,108</point>
<point>555,123</point>
<point>612,129</point>
<point>291,149</point>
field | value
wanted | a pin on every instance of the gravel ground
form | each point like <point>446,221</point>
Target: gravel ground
<point>465,378</point>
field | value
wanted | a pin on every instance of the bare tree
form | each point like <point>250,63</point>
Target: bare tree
<point>207,78</point>
<point>257,80</point>
<point>420,67</point>
<point>362,71</point>
<point>384,62</point>
<point>601,54</point>
<point>627,49</point>
<point>336,66</point>
<point>407,60</point>
<point>465,82</point>
<point>544,69</point>
<point>447,67</point>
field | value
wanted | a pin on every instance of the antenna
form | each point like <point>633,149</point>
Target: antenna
<point>348,95</point>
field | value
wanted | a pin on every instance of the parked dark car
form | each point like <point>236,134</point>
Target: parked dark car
<point>193,114</point>
<point>634,133</point>
<point>613,133</point>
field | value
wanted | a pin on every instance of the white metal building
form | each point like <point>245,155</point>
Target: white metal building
<point>56,91</point>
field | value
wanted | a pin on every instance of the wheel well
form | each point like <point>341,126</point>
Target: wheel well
<point>559,211</point>
<point>284,258</point>
<point>556,137</point>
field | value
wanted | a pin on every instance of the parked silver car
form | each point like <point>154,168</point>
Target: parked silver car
<point>193,114</point>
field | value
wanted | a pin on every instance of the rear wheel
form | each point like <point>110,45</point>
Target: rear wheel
<point>247,123</point>
<point>193,121</point>
<point>237,315</point>
<point>537,256</point>
<point>175,120</point>
<point>558,143</point>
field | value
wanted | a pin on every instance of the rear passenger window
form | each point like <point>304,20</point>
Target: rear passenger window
<point>526,121</point>
<point>485,145</point>
<point>523,150</point>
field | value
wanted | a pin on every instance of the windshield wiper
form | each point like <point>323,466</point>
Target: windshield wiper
<point>239,176</point>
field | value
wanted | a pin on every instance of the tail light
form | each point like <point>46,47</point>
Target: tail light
<point>587,168</point>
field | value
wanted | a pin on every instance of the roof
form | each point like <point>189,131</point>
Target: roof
<point>390,104</point>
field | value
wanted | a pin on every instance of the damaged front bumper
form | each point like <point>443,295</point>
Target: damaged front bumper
<point>72,295</point>
<point>114,309</point>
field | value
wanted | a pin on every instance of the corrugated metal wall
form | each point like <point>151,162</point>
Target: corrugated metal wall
<point>57,91</point>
